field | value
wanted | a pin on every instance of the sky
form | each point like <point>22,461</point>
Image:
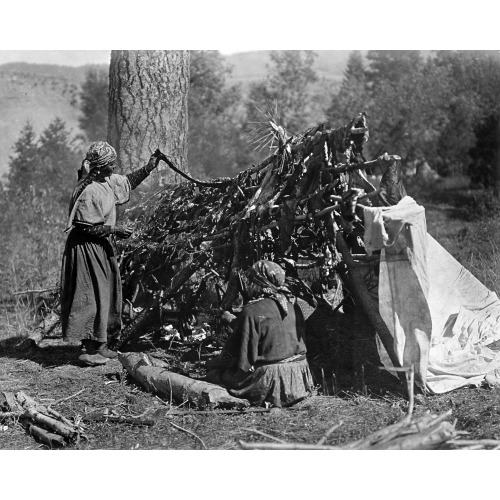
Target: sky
<point>83,30</point>
<point>63,57</point>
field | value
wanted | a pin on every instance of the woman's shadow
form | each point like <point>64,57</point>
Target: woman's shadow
<point>48,352</point>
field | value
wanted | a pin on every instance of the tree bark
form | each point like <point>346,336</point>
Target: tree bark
<point>176,386</point>
<point>148,109</point>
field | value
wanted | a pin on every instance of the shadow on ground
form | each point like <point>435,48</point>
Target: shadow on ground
<point>48,353</point>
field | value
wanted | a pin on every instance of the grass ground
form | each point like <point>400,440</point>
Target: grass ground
<point>364,398</point>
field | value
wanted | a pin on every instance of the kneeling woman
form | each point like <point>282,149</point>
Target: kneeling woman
<point>264,360</point>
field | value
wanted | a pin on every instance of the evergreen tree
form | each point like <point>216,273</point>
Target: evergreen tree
<point>214,147</point>
<point>25,163</point>
<point>290,75</point>
<point>408,110</point>
<point>471,140</point>
<point>60,161</point>
<point>353,97</point>
<point>94,104</point>
<point>391,65</point>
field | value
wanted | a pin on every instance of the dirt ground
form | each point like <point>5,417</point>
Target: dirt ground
<point>350,388</point>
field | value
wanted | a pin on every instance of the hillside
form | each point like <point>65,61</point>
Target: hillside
<point>251,66</point>
<point>38,93</point>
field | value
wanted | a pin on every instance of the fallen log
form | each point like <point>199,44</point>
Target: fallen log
<point>175,386</point>
<point>48,438</point>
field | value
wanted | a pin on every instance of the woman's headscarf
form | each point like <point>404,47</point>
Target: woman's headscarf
<point>100,154</point>
<point>270,279</point>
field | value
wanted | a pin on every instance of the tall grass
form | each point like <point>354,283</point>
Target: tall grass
<point>484,252</point>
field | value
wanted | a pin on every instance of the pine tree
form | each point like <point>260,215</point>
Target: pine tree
<point>213,143</point>
<point>25,163</point>
<point>353,97</point>
<point>94,104</point>
<point>60,162</point>
<point>290,76</point>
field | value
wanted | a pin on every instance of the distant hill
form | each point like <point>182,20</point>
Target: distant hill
<point>38,93</point>
<point>251,66</point>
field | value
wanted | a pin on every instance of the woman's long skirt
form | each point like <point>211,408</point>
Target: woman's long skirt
<point>91,290</point>
<point>280,384</point>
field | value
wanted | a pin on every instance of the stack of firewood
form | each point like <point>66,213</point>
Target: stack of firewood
<point>42,422</point>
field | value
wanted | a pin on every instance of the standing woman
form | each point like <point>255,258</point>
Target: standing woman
<point>91,289</point>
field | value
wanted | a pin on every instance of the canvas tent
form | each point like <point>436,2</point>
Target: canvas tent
<point>440,316</point>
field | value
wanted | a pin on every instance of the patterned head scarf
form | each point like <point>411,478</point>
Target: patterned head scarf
<point>100,154</point>
<point>270,280</point>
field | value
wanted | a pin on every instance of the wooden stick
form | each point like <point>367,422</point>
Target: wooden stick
<point>328,433</point>
<point>411,390</point>
<point>69,397</point>
<point>35,291</point>
<point>60,417</point>
<point>284,446</point>
<point>263,434</point>
<point>263,164</point>
<point>190,433</point>
<point>218,411</point>
<point>120,419</point>
<point>474,442</point>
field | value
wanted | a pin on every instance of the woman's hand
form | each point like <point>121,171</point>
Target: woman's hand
<point>124,230</point>
<point>227,317</point>
<point>154,160</point>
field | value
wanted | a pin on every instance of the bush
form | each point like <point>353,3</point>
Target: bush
<point>482,204</point>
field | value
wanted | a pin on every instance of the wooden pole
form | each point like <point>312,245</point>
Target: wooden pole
<point>356,285</point>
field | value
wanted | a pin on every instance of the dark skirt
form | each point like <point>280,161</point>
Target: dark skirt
<point>91,290</point>
<point>280,384</point>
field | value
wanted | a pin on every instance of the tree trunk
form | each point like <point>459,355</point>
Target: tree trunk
<point>176,386</point>
<point>496,179</point>
<point>148,109</point>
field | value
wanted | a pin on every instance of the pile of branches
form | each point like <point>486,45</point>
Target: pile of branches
<point>428,432</point>
<point>301,207</point>
<point>42,422</point>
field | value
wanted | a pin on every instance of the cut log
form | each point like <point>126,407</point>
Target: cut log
<point>46,437</point>
<point>52,424</point>
<point>35,413</point>
<point>178,387</point>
